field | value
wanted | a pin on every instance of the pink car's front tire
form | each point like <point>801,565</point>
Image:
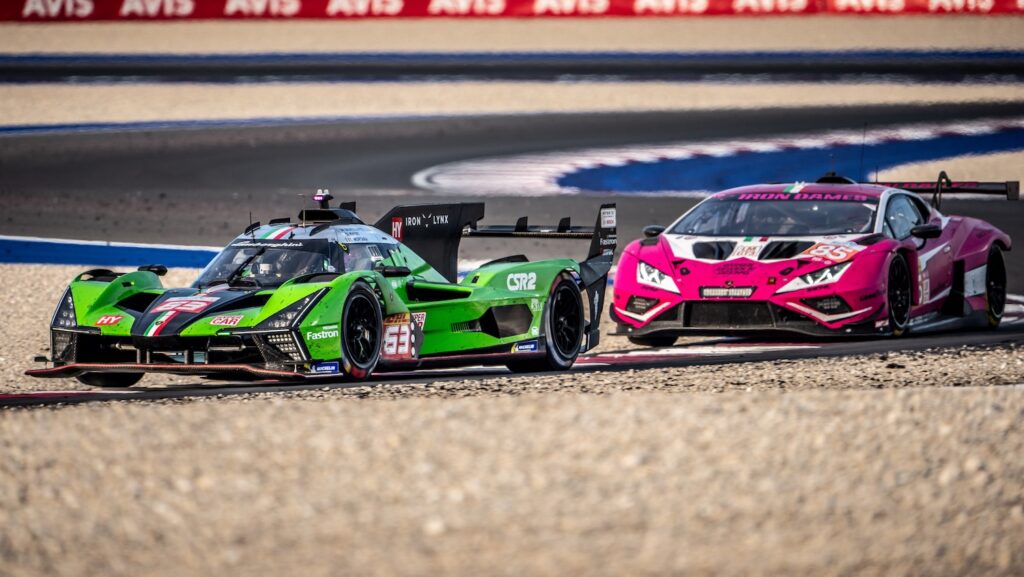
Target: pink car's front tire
<point>899,295</point>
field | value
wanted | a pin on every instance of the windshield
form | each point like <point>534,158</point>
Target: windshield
<point>270,263</point>
<point>735,217</point>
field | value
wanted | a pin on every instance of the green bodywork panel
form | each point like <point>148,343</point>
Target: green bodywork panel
<point>443,306</point>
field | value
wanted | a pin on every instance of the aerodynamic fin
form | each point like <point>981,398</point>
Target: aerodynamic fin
<point>433,231</point>
<point>943,184</point>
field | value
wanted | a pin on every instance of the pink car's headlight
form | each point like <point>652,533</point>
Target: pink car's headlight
<point>649,276</point>
<point>819,277</point>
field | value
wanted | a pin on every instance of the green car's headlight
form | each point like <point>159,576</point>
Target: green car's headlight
<point>292,315</point>
<point>649,276</point>
<point>64,316</point>
<point>819,277</point>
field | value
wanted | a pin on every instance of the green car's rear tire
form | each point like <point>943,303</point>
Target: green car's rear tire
<point>361,329</point>
<point>110,380</point>
<point>563,330</point>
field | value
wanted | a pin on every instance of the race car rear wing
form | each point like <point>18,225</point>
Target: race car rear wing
<point>943,184</point>
<point>434,231</point>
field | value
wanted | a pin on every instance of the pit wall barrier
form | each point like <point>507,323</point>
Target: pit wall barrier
<point>112,10</point>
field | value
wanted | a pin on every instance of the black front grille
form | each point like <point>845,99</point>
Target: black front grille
<point>63,346</point>
<point>279,348</point>
<point>781,249</point>
<point>718,250</point>
<point>670,315</point>
<point>729,315</point>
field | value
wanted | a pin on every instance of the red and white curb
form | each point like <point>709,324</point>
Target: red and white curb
<point>538,174</point>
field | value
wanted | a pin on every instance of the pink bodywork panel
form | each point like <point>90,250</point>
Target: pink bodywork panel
<point>862,285</point>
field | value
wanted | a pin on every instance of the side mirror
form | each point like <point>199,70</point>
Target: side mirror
<point>653,230</point>
<point>393,271</point>
<point>157,269</point>
<point>926,231</point>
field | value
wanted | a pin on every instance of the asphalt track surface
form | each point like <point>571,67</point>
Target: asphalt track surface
<point>192,186</point>
<point>712,352</point>
<point>935,66</point>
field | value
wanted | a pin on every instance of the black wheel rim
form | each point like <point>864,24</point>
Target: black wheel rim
<point>899,292</point>
<point>566,320</point>
<point>361,331</point>
<point>995,283</point>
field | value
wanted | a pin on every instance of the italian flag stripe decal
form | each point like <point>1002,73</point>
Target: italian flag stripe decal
<point>278,233</point>
<point>159,324</point>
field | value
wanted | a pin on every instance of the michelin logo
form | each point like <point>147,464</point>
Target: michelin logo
<point>526,347</point>
<point>326,368</point>
<point>328,332</point>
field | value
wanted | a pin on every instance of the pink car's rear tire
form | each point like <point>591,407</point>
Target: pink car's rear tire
<point>653,341</point>
<point>995,286</point>
<point>109,380</point>
<point>899,295</point>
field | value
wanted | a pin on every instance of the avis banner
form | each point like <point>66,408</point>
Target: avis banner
<point>93,10</point>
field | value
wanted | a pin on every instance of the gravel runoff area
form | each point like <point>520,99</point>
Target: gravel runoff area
<point>31,104</point>
<point>753,33</point>
<point>903,463</point>
<point>607,480</point>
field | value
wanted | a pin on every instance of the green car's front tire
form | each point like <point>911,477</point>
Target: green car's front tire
<point>362,327</point>
<point>110,380</point>
<point>563,330</point>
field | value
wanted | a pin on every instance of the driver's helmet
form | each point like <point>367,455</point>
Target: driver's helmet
<point>358,257</point>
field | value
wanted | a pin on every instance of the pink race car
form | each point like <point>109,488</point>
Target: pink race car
<point>832,257</point>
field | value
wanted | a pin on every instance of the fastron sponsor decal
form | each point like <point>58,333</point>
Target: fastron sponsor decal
<point>326,332</point>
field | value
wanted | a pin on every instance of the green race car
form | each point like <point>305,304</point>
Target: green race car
<point>329,297</point>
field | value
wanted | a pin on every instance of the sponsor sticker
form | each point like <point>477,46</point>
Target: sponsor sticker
<point>420,319</point>
<point>325,332</point>
<point>196,304</point>
<point>108,320</point>
<point>326,368</point>
<point>737,268</point>
<point>226,320</point>
<point>607,218</point>
<point>525,347</point>
<point>402,332</point>
<point>836,253</point>
<point>521,281</point>
<point>747,251</point>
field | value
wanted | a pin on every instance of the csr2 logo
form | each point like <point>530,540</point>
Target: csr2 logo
<point>522,281</point>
